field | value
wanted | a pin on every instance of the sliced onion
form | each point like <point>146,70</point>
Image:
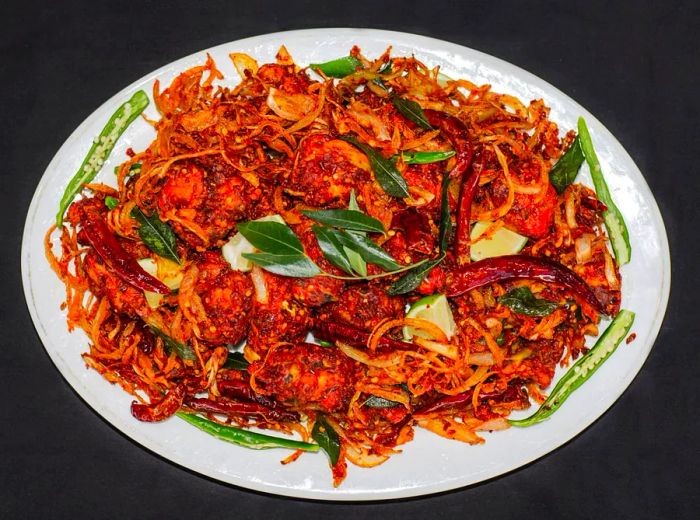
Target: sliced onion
<point>584,250</point>
<point>571,210</point>
<point>364,115</point>
<point>243,62</point>
<point>499,423</point>
<point>362,458</point>
<point>451,429</point>
<point>444,349</point>
<point>419,196</point>
<point>290,106</point>
<point>482,359</point>
<point>258,278</point>
<point>610,274</point>
<point>358,355</point>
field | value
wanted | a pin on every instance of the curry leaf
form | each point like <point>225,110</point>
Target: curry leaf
<point>157,235</point>
<point>346,219</point>
<point>338,68</point>
<point>271,237</point>
<point>296,265</point>
<point>182,350</point>
<point>386,174</point>
<point>413,278</point>
<point>374,401</point>
<point>368,250</point>
<point>411,111</point>
<point>566,169</point>
<point>236,361</point>
<point>327,438</point>
<point>332,249</point>
<point>356,261</point>
<point>521,301</point>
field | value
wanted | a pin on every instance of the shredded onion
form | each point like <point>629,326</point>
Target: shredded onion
<point>243,63</point>
<point>610,274</point>
<point>584,251</point>
<point>499,423</point>
<point>361,457</point>
<point>500,211</point>
<point>571,210</point>
<point>289,106</point>
<point>444,349</point>
<point>358,355</point>
<point>258,279</point>
<point>451,429</point>
<point>364,115</point>
<point>482,359</point>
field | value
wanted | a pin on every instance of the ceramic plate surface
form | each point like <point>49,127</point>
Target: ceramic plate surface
<point>428,464</point>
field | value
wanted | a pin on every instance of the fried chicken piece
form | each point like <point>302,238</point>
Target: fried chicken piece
<point>326,170</point>
<point>307,376</point>
<point>530,217</point>
<point>124,297</point>
<point>227,297</point>
<point>364,306</point>
<point>278,319</point>
<point>203,204</point>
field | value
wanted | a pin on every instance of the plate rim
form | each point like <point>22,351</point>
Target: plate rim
<point>339,494</point>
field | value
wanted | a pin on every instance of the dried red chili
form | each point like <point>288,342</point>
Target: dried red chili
<point>111,251</point>
<point>519,267</point>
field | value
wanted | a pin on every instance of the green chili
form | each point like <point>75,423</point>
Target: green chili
<point>245,438</point>
<point>111,202</point>
<point>423,157</point>
<point>101,148</point>
<point>583,369</point>
<point>614,223</point>
<point>338,68</point>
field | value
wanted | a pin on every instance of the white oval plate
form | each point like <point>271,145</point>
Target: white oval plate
<point>430,463</point>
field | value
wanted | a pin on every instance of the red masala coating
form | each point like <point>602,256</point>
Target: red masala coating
<point>326,170</point>
<point>213,198</point>
<point>162,409</point>
<point>415,226</point>
<point>424,183</point>
<point>227,296</point>
<point>364,306</point>
<point>124,297</point>
<point>280,319</point>
<point>307,376</point>
<point>284,78</point>
<point>531,218</point>
<point>434,283</point>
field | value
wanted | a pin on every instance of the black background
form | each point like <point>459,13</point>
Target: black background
<point>634,65</point>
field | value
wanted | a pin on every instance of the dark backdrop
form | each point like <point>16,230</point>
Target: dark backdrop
<point>634,65</point>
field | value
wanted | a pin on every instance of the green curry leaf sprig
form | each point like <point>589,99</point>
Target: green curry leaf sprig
<point>343,241</point>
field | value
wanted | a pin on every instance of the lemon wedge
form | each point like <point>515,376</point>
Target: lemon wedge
<point>502,242</point>
<point>435,309</point>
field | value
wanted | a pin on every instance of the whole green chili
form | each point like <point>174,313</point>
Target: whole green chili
<point>583,369</point>
<point>245,438</point>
